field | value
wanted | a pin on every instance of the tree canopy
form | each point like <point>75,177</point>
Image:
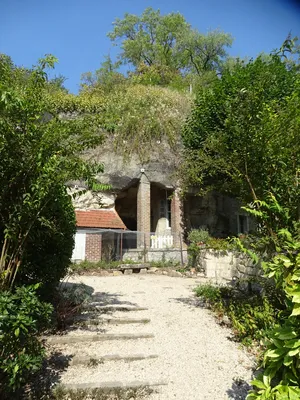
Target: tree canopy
<point>40,152</point>
<point>243,135</point>
<point>163,50</point>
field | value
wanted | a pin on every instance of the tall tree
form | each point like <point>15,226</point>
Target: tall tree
<point>168,42</point>
<point>106,78</point>
<point>243,136</point>
<point>40,152</point>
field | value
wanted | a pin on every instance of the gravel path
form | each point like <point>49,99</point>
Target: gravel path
<point>196,359</point>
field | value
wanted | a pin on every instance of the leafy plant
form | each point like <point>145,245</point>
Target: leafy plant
<point>199,236</point>
<point>40,152</point>
<point>280,378</point>
<point>251,314</point>
<point>233,139</point>
<point>69,299</point>
<point>22,318</point>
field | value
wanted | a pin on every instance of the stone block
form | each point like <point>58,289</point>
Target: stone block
<point>128,272</point>
<point>103,272</point>
<point>175,274</point>
<point>152,269</point>
<point>117,273</point>
<point>143,271</point>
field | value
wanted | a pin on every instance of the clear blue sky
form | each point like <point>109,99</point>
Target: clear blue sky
<point>75,30</point>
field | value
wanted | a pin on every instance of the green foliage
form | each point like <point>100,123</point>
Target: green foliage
<point>165,264</point>
<point>139,116</point>
<point>212,294</point>
<point>40,152</point>
<point>149,38</point>
<point>281,379</point>
<point>200,239</point>
<point>94,266</point>
<point>69,299</point>
<point>49,246</point>
<point>161,46</point>
<point>198,236</point>
<point>22,318</point>
<point>251,315</point>
<point>105,79</point>
<point>233,139</point>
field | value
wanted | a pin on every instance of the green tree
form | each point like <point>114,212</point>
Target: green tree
<point>106,78</point>
<point>149,38</point>
<point>243,136</point>
<point>165,45</point>
<point>40,152</point>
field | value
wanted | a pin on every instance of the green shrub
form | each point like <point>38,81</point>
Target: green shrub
<point>101,264</point>
<point>22,318</point>
<point>69,300</point>
<point>49,246</point>
<point>280,379</point>
<point>198,236</point>
<point>212,294</point>
<point>251,314</point>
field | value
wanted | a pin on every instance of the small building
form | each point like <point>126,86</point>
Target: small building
<point>95,233</point>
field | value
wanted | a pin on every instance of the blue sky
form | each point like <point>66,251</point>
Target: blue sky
<point>75,30</point>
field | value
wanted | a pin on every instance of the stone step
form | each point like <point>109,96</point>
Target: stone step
<point>100,308</point>
<point>114,385</point>
<point>94,360</point>
<point>112,321</point>
<point>89,349</point>
<point>124,372</point>
<point>67,339</point>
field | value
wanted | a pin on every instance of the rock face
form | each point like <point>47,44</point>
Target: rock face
<point>121,172</point>
<point>91,201</point>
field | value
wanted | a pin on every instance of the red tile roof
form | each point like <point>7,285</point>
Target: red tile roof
<point>108,219</point>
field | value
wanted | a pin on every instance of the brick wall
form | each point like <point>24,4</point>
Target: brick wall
<point>144,210</point>
<point>176,218</point>
<point>93,246</point>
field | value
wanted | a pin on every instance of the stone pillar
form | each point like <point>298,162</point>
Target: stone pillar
<point>176,218</point>
<point>144,212</point>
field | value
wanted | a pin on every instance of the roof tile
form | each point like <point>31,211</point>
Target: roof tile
<point>108,219</point>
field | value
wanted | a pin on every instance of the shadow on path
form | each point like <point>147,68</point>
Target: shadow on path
<point>239,390</point>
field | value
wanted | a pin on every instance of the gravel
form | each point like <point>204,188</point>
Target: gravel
<point>197,358</point>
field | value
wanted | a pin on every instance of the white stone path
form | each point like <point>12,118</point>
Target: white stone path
<point>188,352</point>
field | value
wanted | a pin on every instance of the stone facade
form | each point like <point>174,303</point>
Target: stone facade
<point>147,198</point>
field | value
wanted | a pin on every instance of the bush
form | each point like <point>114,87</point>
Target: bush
<point>69,300</point>
<point>22,318</point>
<point>251,314</point>
<point>49,247</point>
<point>281,378</point>
<point>198,236</point>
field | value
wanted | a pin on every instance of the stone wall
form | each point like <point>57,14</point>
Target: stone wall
<point>219,267</point>
<point>156,255</point>
<point>225,266</point>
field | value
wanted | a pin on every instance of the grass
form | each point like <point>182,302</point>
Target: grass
<point>99,265</point>
<point>251,314</point>
<point>88,266</point>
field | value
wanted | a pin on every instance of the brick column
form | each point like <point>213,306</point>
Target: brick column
<point>176,218</point>
<point>144,212</point>
<point>93,247</point>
